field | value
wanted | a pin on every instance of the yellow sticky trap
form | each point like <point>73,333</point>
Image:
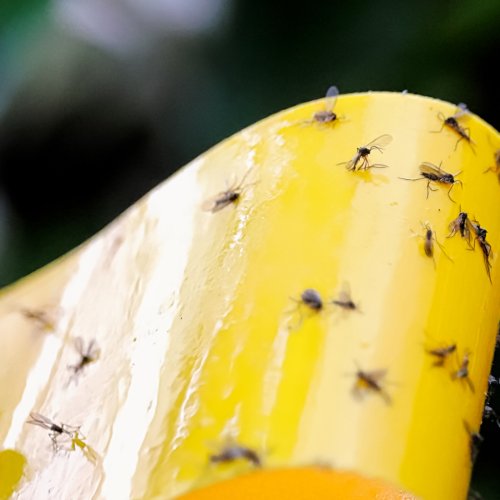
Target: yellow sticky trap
<point>193,312</point>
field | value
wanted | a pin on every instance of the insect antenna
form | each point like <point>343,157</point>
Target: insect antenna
<point>442,118</point>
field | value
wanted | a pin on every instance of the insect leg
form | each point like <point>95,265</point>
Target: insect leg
<point>487,265</point>
<point>378,165</point>
<point>456,144</point>
<point>442,248</point>
<point>53,437</point>
<point>442,118</point>
<point>449,196</point>
<point>453,232</point>
<point>290,313</point>
<point>428,188</point>
<point>365,164</point>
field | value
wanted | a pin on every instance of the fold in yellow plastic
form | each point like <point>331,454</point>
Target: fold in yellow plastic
<point>204,346</point>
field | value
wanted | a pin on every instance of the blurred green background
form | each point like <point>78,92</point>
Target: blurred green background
<point>100,100</point>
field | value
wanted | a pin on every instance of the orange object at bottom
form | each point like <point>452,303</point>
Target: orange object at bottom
<point>309,483</point>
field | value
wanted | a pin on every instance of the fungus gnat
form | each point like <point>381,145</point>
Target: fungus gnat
<point>463,372</point>
<point>327,115</point>
<point>312,299</point>
<point>231,453</point>
<point>429,240</point>
<point>495,168</point>
<point>460,225</point>
<point>87,355</point>
<point>451,122</point>
<point>221,200</point>
<point>361,156</point>
<point>480,236</point>
<point>54,429</point>
<point>475,441</point>
<point>38,316</point>
<point>370,381</point>
<point>344,300</point>
<point>441,354</point>
<point>479,232</point>
<point>433,173</point>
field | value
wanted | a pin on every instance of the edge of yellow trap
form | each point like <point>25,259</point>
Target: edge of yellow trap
<point>278,241</point>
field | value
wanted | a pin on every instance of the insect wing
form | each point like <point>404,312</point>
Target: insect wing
<point>380,142</point>
<point>454,226</point>
<point>40,420</point>
<point>93,350</point>
<point>353,162</point>
<point>331,98</point>
<point>216,203</point>
<point>79,346</point>
<point>462,109</point>
<point>344,296</point>
<point>375,375</point>
<point>431,169</point>
<point>486,249</point>
<point>471,226</point>
<point>344,299</point>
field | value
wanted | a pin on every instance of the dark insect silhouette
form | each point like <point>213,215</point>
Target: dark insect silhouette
<point>441,354</point>
<point>463,372</point>
<point>360,160</point>
<point>55,430</point>
<point>451,122</point>
<point>433,173</point>
<point>233,452</point>
<point>327,115</point>
<point>230,196</point>
<point>367,381</point>
<point>480,236</point>
<point>87,355</point>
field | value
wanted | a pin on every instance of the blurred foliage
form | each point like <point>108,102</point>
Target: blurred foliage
<point>100,101</point>
<point>13,11</point>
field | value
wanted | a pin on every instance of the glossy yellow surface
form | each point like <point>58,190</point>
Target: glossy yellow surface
<point>202,340</point>
<point>12,465</point>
